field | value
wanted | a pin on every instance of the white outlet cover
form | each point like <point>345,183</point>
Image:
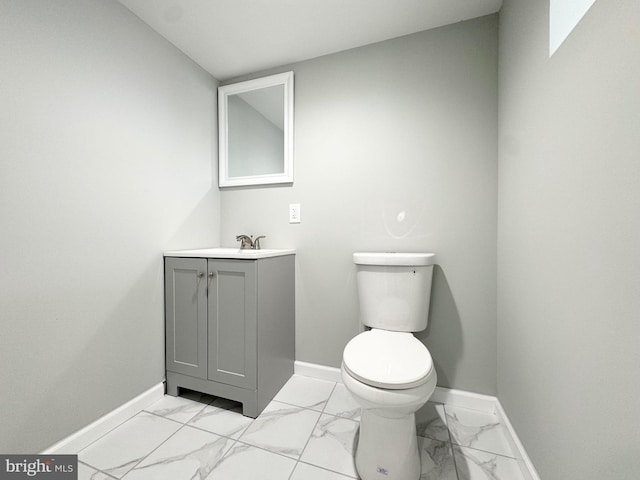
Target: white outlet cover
<point>294,213</point>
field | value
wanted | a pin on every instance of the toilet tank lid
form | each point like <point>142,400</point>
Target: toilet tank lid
<point>393,258</point>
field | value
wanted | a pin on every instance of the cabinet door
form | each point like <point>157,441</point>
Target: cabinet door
<point>232,322</point>
<point>186,315</point>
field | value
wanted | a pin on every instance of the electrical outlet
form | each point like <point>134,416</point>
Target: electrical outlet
<point>294,213</point>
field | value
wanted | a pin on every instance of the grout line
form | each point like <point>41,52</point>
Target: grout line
<point>315,425</point>
<point>329,397</point>
<point>446,423</point>
<point>486,451</point>
<point>455,462</point>
<point>306,444</point>
<point>97,469</point>
<point>185,425</point>
<point>320,412</point>
<point>451,444</point>
<point>219,434</point>
<point>163,417</point>
<point>182,425</point>
<point>162,443</point>
<point>293,470</point>
<point>221,459</point>
<point>107,433</point>
<point>267,450</point>
<point>326,469</point>
<point>300,406</point>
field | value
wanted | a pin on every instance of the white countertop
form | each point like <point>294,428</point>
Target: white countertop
<point>230,252</point>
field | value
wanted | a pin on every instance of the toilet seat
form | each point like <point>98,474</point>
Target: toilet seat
<point>390,360</point>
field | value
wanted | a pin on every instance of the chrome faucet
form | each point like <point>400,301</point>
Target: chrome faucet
<point>247,242</point>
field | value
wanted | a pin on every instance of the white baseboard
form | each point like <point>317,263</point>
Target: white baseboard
<point>526,466</point>
<point>449,396</point>
<point>464,399</point>
<point>89,434</point>
<point>313,370</point>
<point>458,398</point>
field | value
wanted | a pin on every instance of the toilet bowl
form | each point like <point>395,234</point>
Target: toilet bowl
<point>389,396</point>
<point>388,371</point>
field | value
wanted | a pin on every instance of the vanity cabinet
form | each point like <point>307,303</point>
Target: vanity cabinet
<point>230,327</point>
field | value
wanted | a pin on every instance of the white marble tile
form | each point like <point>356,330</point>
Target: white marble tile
<point>431,422</point>
<point>479,430</point>
<point>221,421</point>
<point>190,454</point>
<point>244,462</point>
<point>474,464</point>
<point>342,403</point>
<point>281,428</point>
<point>305,392</point>
<point>125,446</point>
<point>85,472</point>
<point>436,460</point>
<point>179,409</point>
<point>332,445</point>
<point>304,471</point>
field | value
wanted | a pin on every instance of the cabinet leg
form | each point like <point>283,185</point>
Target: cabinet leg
<point>172,389</point>
<point>250,409</point>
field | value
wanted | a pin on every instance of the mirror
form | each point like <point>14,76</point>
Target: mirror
<point>255,121</point>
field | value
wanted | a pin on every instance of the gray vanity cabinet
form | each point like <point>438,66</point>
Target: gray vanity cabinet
<point>186,316</point>
<point>232,330</point>
<point>230,327</point>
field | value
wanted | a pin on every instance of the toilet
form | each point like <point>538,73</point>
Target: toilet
<point>388,371</point>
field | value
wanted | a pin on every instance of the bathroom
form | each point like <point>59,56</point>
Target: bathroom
<point>518,170</point>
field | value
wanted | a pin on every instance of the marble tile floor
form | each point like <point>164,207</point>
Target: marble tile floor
<point>308,432</point>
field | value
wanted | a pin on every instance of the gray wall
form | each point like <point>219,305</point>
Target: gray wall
<point>106,159</point>
<point>395,149</point>
<point>569,239</point>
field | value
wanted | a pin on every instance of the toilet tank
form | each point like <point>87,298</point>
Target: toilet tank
<point>394,289</point>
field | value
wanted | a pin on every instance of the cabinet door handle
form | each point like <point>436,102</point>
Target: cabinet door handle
<point>200,274</point>
<point>212,274</point>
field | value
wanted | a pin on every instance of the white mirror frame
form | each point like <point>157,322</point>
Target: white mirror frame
<point>224,180</point>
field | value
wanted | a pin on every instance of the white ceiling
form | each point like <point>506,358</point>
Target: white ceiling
<point>235,37</point>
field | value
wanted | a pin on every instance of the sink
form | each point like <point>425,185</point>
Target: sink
<point>230,252</point>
